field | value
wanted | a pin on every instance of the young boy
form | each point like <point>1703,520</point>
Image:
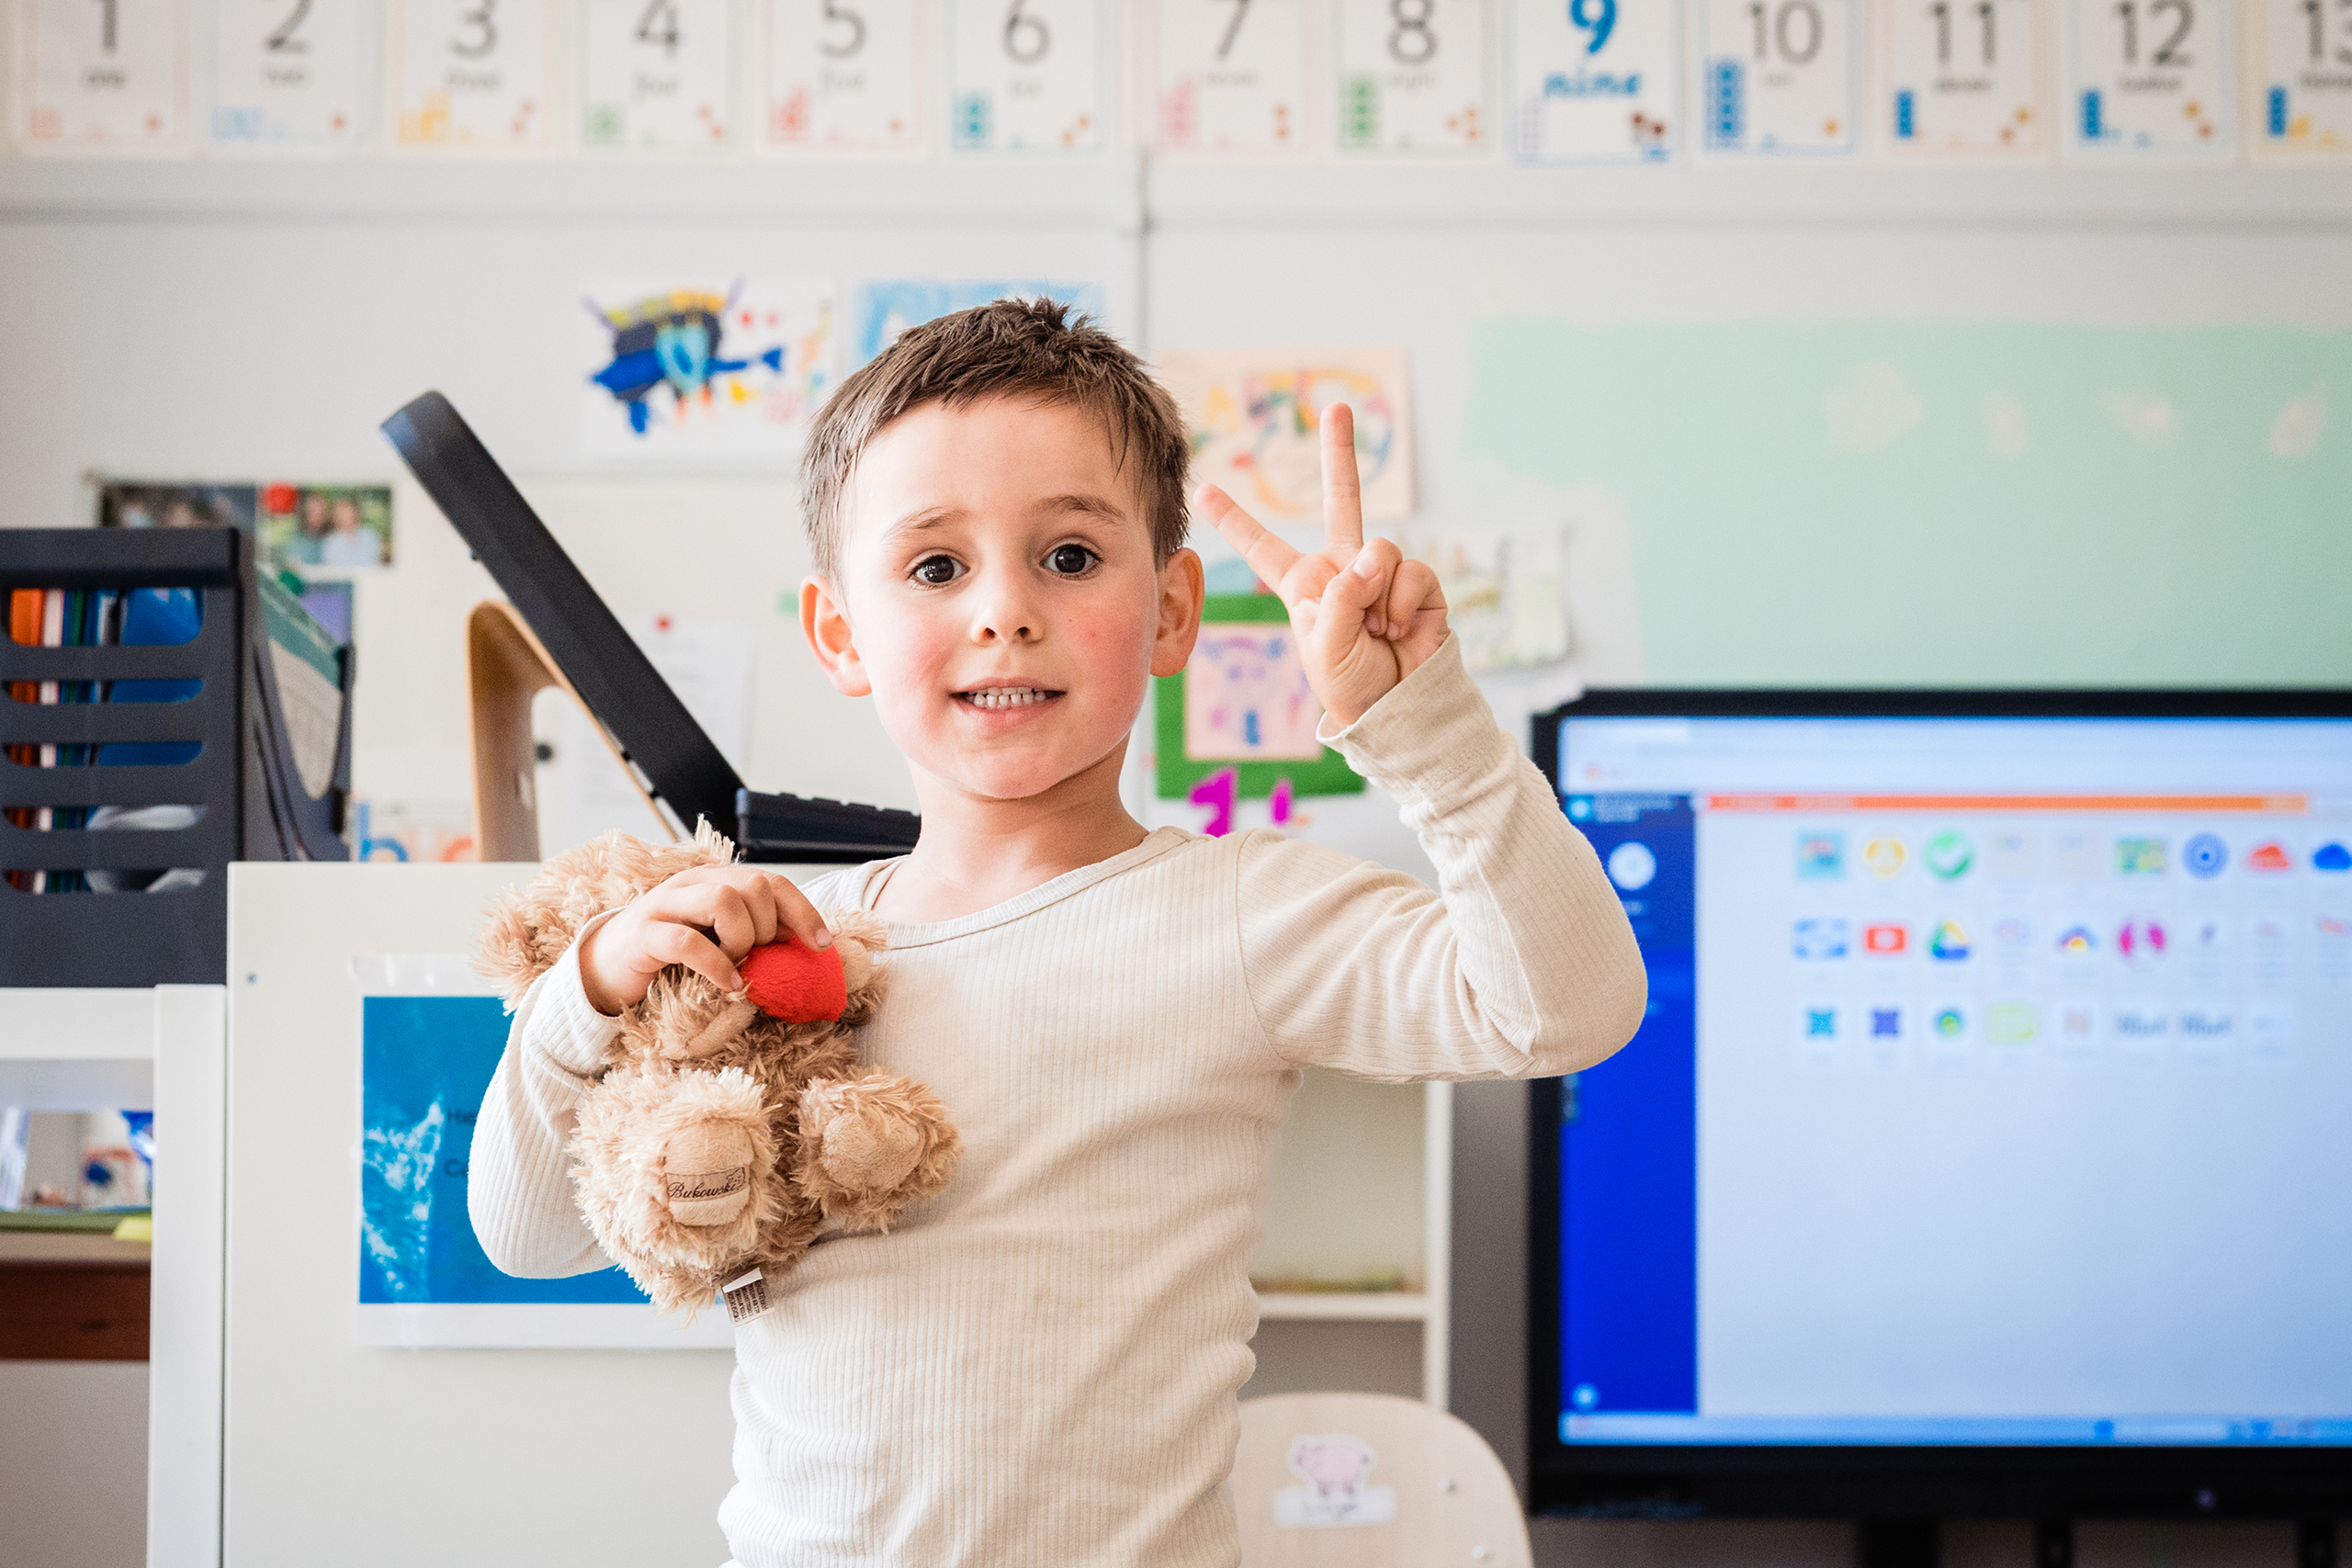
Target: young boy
<point>1039,1365</point>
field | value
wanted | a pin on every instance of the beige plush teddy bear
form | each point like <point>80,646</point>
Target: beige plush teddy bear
<point>725,1129</point>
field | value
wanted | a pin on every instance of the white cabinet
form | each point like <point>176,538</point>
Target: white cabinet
<point>163,1048</point>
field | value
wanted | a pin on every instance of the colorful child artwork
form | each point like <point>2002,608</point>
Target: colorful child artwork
<point>1240,722</point>
<point>883,309</point>
<point>1256,415</point>
<point>1505,592</point>
<point>703,368</point>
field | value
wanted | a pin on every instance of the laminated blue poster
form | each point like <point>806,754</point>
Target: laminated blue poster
<point>425,1062</point>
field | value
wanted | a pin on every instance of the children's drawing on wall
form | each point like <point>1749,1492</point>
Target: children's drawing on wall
<point>884,308</point>
<point>1239,722</point>
<point>1506,591</point>
<point>295,527</point>
<point>733,367</point>
<point>1254,414</point>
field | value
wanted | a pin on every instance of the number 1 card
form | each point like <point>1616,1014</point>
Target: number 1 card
<point>1228,75</point>
<point>1025,75</point>
<point>1964,78</point>
<point>1776,76</point>
<point>470,73</point>
<point>2151,79</point>
<point>102,76</point>
<point>286,75</point>
<point>1593,81</point>
<point>840,76</point>
<point>2302,56</point>
<point>1413,75</point>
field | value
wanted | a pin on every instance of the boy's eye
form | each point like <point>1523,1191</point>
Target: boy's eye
<point>937,572</point>
<point>1070,559</point>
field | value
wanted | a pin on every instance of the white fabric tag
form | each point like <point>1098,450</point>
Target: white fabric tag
<point>746,1296</point>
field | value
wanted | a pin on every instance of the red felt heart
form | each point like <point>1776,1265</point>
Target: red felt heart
<point>792,981</point>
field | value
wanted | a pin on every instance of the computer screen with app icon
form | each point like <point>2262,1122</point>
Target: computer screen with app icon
<point>1992,1088</point>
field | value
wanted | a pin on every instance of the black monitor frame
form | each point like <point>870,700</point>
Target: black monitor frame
<point>1887,1481</point>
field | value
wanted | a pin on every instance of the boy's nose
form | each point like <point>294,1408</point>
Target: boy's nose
<point>1005,614</point>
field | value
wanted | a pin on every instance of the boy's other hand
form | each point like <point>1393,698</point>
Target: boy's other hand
<point>706,917</point>
<point>1365,616</point>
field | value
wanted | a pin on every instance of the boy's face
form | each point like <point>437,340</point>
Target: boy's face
<point>997,595</point>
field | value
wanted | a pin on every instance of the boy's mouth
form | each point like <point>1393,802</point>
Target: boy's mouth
<point>989,698</point>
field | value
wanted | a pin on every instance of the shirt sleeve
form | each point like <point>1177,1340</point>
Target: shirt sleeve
<point>1520,965</point>
<point>518,1180</point>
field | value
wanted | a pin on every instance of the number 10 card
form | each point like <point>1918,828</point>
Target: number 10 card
<point>1776,76</point>
<point>1593,81</point>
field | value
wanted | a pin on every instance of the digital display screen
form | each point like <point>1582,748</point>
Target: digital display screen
<point>1992,1088</point>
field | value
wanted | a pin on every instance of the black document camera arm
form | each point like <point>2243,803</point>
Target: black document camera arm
<point>611,674</point>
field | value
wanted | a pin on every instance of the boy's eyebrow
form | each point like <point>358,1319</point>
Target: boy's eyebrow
<point>1094,505</point>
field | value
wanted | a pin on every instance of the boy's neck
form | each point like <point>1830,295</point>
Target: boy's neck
<point>975,852</point>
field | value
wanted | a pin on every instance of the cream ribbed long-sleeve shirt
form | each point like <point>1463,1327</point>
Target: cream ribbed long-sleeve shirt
<point>1038,1366</point>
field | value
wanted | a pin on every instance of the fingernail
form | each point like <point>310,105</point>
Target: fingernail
<point>825,937</point>
<point>1365,566</point>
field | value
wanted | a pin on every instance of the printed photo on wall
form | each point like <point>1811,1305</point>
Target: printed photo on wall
<point>1256,417</point>
<point>300,526</point>
<point>705,366</point>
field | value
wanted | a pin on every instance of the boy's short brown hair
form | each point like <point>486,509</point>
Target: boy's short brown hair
<point>1021,348</point>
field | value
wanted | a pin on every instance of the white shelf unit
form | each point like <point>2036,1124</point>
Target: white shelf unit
<point>1362,1182</point>
<point>163,1048</point>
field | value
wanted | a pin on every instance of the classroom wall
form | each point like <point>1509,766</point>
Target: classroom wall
<point>219,322</point>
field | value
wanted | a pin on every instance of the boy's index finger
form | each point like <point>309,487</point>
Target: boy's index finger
<point>1266,552</point>
<point>1342,492</point>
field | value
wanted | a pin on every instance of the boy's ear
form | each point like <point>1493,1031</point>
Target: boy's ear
<point>824,620</point>
<point>1181,583</point>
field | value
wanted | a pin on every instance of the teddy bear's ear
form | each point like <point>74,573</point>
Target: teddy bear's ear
<point>529,925</point>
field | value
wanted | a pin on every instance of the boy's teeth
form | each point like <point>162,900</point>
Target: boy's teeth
<point>1005,697</point>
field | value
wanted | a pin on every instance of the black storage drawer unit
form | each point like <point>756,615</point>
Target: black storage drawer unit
<point>103,916</point>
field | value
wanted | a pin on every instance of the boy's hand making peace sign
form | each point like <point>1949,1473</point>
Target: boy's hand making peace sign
<point>1365,616</point>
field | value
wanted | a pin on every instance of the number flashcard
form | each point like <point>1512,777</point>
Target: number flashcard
<point>102,76</point>
<point>1776,76</point>
<point>1593,81</point>
<point>656,72</point>
<point>2303,51</point>
<point>469,73</point>
<point>1228,75</point>
<point>2151,77</point>
<point>1964,76</point>
<point>286,74</point>
<point>1412,75</point>
<point>1024,75</point>
<point>840,76</point>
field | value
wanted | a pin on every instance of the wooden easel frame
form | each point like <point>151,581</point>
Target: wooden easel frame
<point>505,668</point>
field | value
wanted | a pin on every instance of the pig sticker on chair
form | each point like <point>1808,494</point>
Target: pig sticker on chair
<point>1335,1471</point>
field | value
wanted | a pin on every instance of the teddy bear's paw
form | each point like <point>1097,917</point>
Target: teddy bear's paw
<point>706,1173</point>
<point>872,1145</point>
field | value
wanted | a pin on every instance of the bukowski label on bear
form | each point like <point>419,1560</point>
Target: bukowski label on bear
<point>747,1296</point>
